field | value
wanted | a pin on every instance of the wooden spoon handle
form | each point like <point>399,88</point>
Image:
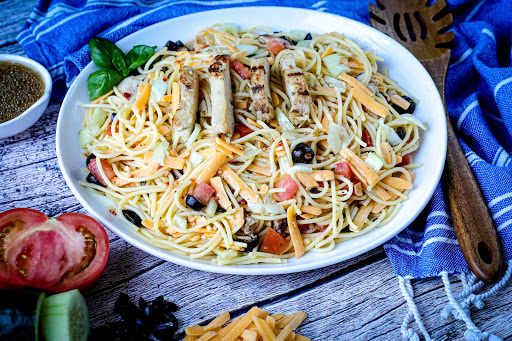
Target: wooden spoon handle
<point>472,221</point>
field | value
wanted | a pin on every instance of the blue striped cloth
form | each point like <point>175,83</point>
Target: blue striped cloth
<point>479,97</point>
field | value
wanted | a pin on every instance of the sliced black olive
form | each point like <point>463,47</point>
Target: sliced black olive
<point>89,159</point>
<point>143,183</point>
<point>165,69</point>
<point>409,110</point>
<point>220,209</point>
<point>400,132</point>
<point>252,243</point>
<point>92,180</point>
<point>313,190</point>
<point>193,203</point>
<point>303,154</point>
<point>173,46</point>
<point>132,217</point>
<point>308,36</point>
<point>280,226</point>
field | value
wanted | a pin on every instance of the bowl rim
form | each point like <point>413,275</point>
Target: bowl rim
<point>45,75</point>
<point>271,269</point>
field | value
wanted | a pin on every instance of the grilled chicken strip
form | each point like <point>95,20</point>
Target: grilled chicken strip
<point>185,118</point>
<point>296,87</point>
<point>223,119</point>
<point>260,89</point>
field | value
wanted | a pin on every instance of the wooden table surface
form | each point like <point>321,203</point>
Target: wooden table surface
<point>354,300</point>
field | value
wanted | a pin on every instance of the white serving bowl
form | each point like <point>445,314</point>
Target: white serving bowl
<point>34,112</point>
<point>403,67</point>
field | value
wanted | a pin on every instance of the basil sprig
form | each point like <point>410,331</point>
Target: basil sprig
<point>114,64</point>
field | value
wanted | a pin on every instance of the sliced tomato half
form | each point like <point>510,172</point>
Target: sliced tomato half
<point>53,254</point>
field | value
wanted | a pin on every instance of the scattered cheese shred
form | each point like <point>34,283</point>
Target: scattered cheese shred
<point>311,210</point>
<point>166,98</point>
<point>230,47</point>
<point>214,163</point>
<point>322,175</point>
<point>298,244</point>
<point>382,193</point>
<point>354,83</point>
<point>325,89</point>
<point>163,130</point>
<point>151,75</point>
<point>306,179</point>
<point>142,97</point>
<point>224,145</point>
<point>327,52</point>
<point>368,102</point>
<point>396,183</point>
<point>184,155</point>
<point>174,162</point>
<point>400,101</point>
<point>234,181</point>
<point>367,175</point>
<point>260,170</point>
<point>361,216</point>
<point>175,92</point>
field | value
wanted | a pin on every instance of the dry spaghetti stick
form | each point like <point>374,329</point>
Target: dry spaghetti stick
<point>218,321</point>
<point>264,329</point>
<point>297,241</point>
<point>294,323</point>
<point>242,325</point>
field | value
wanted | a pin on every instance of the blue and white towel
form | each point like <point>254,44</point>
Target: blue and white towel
<point>479,100</point>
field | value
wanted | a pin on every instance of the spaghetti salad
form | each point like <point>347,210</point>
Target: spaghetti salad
<point>245,146</point>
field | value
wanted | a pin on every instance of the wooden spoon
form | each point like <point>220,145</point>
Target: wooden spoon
<point>420,29</point>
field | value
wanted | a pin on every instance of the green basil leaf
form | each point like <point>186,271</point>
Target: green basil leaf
<point>120,63</point>
<point>102,52</point>
<point>102,81</point>
<point>139,55</point>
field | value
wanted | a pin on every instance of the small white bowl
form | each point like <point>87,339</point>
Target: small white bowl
<point>34,112</point>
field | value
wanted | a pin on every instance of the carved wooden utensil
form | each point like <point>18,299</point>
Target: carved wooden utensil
<point>421,29</point>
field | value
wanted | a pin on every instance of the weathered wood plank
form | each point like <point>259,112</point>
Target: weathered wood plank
<point>203,289</point>
<point>14,15</point>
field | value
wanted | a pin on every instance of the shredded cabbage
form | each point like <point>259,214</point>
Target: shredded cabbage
<point>196,158</point>
<point>160,152</point>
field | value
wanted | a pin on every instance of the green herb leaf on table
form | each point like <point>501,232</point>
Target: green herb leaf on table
<point>102,52</point>
<point>102,81</point>
<point>139,55</point>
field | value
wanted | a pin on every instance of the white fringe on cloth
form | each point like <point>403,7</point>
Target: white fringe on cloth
<point>458,305</point>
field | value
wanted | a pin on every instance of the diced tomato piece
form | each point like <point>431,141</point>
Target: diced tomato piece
<point>406,159</point>
<point>242,129</point>
<point>107,168</point>
<point>108,132</point>
<point>275,46</point>
<point>321,228</point>
<point>343,168</point>
<point>203,192</point>
<point>273,243</point>
<point>241,69</point>
<point>366,138</point>
<point>289,185</point>
<point>355,180</point>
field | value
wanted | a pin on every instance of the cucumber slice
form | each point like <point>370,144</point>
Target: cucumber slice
<point>64,317</point>
<point>19,314</point>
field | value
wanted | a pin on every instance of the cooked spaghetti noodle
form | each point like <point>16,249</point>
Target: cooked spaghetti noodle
<point>359,174</point>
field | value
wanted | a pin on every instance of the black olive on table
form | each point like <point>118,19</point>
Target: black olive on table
<point>92,180</point>
<point>308,36</point>
<point>409,110</point>
<point>89,159</point>
<point>400,132</point>
<point>132,217</point>
<point>193,203</point>
<point>303,154</point>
